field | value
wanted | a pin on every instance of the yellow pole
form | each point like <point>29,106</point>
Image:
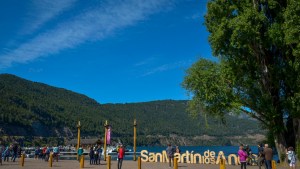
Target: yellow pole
<point>50,160</point>
<point>222,163</point>
<point>273,164</point>
<point>134,140</point>
<point>175,163</point>
<point>139,163</point>
<point>22,160</point>
<point>82,161</point>
<point>108,162</point>
<point>105,133</point>
<point>78,137</point>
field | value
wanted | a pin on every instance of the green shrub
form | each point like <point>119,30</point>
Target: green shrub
<point>282,157</point>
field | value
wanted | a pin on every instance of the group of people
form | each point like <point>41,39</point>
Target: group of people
<point>44,153</point>
<point>12,151</point>
<point>95,155</point>
<point>170,152</point>
<point>265,156</point>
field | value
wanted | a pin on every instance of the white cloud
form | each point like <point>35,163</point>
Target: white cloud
<point>145,62</point>
<point>195,16</point>
<point>170,66</point>
<point>43,11</point>
<point>95,24</point>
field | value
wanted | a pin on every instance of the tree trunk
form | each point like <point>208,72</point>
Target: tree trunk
<point>296,124</point>
<point>291,138</point>
<point>280,144</point>
<point>290,134</point>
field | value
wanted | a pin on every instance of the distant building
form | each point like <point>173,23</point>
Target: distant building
<point>85,142</point>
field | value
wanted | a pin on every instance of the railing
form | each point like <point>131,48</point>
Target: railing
<point>114,155</point>
<point>71,155</point>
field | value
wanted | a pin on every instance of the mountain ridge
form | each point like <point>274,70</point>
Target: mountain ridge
<point>54,112</point>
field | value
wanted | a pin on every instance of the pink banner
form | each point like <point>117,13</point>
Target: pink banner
<point>108,134</point>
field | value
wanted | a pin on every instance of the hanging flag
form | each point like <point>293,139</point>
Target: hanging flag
<point>108,135</point>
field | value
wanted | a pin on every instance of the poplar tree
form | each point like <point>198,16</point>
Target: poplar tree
<point>257,47</point>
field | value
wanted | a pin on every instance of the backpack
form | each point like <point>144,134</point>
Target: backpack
<point>261,152</point>
<point>293,159</point>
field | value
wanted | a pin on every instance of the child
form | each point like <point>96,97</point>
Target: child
<point>291,157</point>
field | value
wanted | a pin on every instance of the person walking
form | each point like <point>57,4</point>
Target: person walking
<point>96,155</point>
<point>44,153</point>
<point>249,159</point>
<point>260,156</point>
<point>55,153</point>
<point>79,152</point>
<point>15,152</point>
<point>243,157</point>
<point>121,154</point>
<point>99,149</point>
<point>47,154</point>
<point>268,152</point>
<point>178,150</point>
<point>170,152</point>
<point>6,154</point>
<point>19,151</point>
<point>1,151</point>
<point>37,153</point>
<point>291,157</point>
<point>91,154</point>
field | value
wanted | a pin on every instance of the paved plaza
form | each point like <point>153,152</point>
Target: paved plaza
<point>127,164</point>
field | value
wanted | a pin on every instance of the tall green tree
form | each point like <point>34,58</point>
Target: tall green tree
<point>257,43</point>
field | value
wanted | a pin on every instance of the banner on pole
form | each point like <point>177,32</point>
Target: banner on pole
<point>108,136</point>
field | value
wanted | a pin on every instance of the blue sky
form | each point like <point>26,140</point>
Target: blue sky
<point>114,51</point>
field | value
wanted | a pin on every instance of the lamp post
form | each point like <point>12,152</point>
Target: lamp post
<point>134,140</point>
<point>105,138</point>
<point>78,137</point>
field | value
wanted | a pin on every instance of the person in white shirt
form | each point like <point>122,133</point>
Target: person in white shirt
<point>291,157</point>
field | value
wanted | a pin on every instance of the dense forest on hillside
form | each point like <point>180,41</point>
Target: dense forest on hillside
<point>38,110</point>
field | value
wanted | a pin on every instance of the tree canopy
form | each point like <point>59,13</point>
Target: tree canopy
<point>257,72</point>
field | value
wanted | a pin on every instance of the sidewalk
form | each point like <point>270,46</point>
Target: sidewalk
<point>72,164</point>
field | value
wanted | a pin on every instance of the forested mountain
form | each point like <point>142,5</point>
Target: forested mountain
<point>38,110</point>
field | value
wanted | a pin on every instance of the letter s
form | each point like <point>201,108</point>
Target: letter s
<point>144,155</point>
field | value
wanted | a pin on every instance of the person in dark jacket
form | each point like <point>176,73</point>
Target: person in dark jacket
<point>96,155</point>
<point>170,152</point>
<point>91,154</point>
<point>37,152</point>
<point>15,152</point>
<point>260,155</point>
<point>99,149</point>
<point>1,151</point>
